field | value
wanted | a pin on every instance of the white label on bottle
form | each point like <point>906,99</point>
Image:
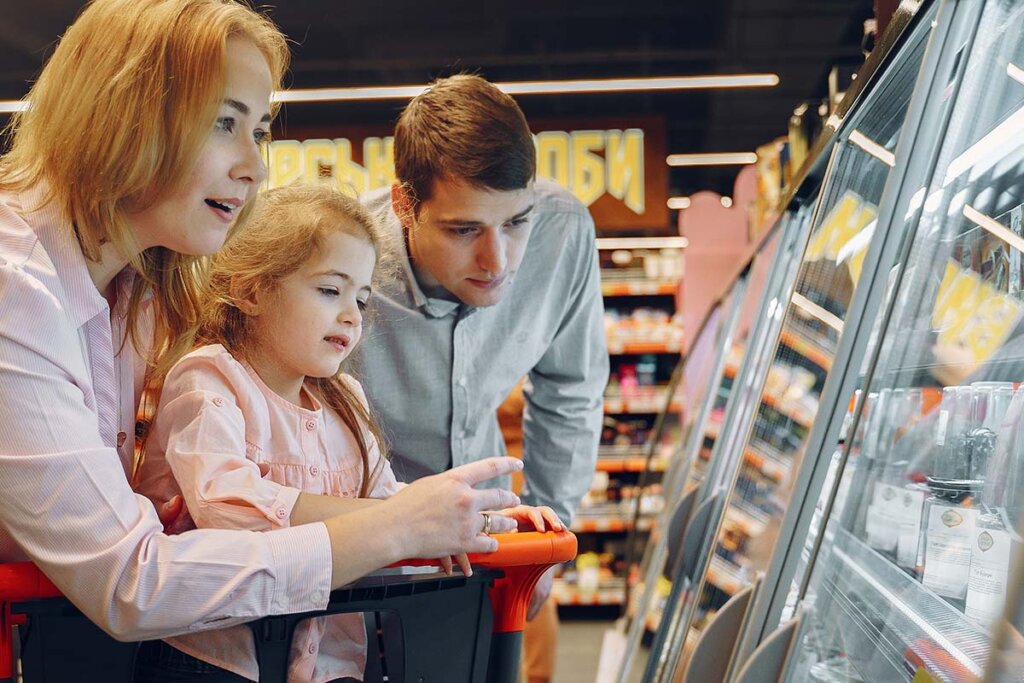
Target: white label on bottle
<point>947,559</point>
<point>940,427</point>
<point>882,532</point>
<point>908,513</point>
<point>990,570</point>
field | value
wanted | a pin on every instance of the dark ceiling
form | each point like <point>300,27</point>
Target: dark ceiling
<point>400,42</point>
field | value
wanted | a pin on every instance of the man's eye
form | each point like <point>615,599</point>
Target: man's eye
<point>519,222</point>
<point>463,232</point>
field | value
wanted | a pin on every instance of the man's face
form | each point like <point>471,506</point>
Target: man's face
<point>471,239</point>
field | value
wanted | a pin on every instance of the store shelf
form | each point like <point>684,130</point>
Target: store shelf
<point>883,613</point>
<point>644,399</point>
<point>632,464</point>
<point>794,412</point>
<point>616,348</point>
<point>639,288</point>
<point>624,452</point>
<point>768,464</point>
<point>749,521</point>
<point>608,525</point>
<point>609,592</point>
<point>807,347</point>
<point>725,576</point>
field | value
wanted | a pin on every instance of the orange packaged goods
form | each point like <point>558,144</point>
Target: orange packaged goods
<point>480,639</point>
<point>926,659</point>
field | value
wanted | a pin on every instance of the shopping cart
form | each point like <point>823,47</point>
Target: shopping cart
<point>447,630</point>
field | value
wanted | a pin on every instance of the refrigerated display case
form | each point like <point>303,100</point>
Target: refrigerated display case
<point>793,410</point>
<point>707,377</point>
<point>911,573</point>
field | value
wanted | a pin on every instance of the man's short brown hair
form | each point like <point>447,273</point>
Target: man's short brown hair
<point>463,127</point>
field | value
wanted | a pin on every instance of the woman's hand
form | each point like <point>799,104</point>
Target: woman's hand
<point>442,515</point>
<point>530,518</point>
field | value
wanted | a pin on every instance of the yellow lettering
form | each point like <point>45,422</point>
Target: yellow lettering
<point>285,162</point>
<point>352,178</point>
<point>553,156</point>
<point>624,157</point>
<point>319,158</point>
<point>587,167</point>
<point>379,160</point>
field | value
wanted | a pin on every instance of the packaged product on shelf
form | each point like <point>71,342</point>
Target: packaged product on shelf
<point>948,531</point>
<point>995,538</point>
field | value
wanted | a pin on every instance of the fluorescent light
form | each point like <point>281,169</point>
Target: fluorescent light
<point>873,148</point>
<point>678,202</point>
<point>726,202</point>
<point>12,106</point>
<point>994,227</point>
<point>401,92</point>
<point>1015,72</point>
<point>816,311</point>
<point>642,242</point>
<point>711,159</point>
<point>991,148</point>
<point>539,87</point>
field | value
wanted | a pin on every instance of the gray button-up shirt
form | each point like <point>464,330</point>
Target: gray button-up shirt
<point>435,371</point>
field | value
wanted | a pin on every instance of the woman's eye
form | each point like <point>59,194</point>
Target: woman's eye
<point>328,291</point>
<point>261,137</point>
<point>225,124</point>
<point>362,304</point>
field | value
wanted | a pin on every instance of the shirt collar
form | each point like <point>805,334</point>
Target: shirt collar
<point>432,306</point>
<point>83,300</point>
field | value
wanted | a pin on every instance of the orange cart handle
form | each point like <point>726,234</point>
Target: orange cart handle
<point>24,581</point>
<point>518,549</point>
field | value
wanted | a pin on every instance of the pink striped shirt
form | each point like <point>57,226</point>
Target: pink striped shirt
<point>216,425</point>
<point>67,395</point>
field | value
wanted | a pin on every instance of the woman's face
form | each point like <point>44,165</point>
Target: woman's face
<point>194,218</point>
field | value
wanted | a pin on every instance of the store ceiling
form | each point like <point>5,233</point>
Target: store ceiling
<point>391,42</point>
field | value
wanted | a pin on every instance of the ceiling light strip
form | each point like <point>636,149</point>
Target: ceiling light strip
<point>541,87</point>
<point>995,227</point>
<point>711,159</point>
<point>873,148</point>
<point>398,92</point>
<point>642,242</point>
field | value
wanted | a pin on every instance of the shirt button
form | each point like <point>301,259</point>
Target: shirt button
<point>218,401</point>
<point>463,434</point>
<point>310,425</point>
<point>280,513</point>
<point>314,470</point>
<point>317,596</point>
<point>311,649</point>
<point>462,381</point>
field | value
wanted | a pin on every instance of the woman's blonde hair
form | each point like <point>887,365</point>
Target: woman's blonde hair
<point>117,117</point>
<point>288,226</point>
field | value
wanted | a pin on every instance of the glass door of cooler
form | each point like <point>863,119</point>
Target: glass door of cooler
<point>708,375</point>
<point>770,277</point>
<point>915,566</point>
<point>760,484</point>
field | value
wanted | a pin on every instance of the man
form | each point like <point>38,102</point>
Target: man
<point>494,276</point>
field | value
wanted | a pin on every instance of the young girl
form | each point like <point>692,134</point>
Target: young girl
<point>258,426</point>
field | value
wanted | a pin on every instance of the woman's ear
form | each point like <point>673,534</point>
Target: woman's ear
<point>244,297</point>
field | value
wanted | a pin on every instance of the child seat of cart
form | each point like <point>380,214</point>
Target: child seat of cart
<point>423,627</point>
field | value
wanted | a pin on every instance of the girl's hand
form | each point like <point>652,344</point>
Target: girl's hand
<point>441,515</point>
<point>530,518</point>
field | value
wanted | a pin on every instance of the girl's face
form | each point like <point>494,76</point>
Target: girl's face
<point>311,322</point>
<point>194,218</point>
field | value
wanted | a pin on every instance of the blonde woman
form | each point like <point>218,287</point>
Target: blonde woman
<point>140,153</point>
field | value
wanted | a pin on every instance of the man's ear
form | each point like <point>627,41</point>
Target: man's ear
<point>245,298</point>
<point>402,204</point>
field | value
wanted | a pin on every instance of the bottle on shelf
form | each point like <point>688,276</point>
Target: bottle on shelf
<point>996,537</point>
